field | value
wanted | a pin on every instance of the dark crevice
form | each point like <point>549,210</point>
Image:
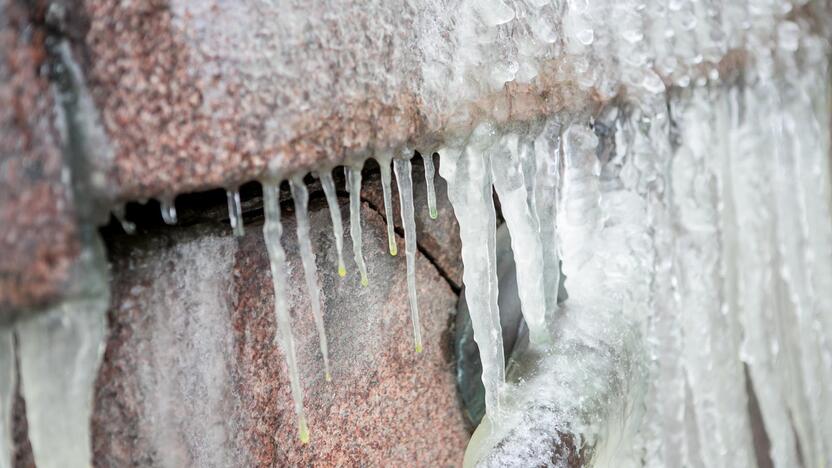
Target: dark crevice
<point>762,444</point>
<point>210,207</point>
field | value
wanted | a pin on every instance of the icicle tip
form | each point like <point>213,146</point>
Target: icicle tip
<point>303,431</point>
<point>393,248</point>
<point>433,213</point>
<point>342,272</point>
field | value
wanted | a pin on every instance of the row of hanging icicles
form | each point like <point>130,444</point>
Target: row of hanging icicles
<point>273,230</point>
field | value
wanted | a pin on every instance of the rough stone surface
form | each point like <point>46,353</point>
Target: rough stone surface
<point>191,376</point>
<point>38,233</point>
<point>201,94</point>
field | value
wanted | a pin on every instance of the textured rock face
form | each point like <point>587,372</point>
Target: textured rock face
<point>192,377</point>
<point>38,234</point>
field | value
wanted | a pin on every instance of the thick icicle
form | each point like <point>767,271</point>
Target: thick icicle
<point>60,351</point>
<point>235,212</point>
<point>301,197</point>
<point>547,157</point>
<point>354,184</point>
<point>168,207</point>
<point>404,183</point>
<point>335,212</point>
<point>507,173</point>
<point>384,164</point>
<point>272,231</point>
<point>468,175</point>
<point>430,171</point>
<point>7,384</point>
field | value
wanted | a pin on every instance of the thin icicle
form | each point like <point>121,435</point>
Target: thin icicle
<point>235,212</point>
<point>354,187</point>
<point>404,183</point>
<point>430,171</point>
<point>168,207</point>
<point>272,231</point>
<point>7,384</point>
<point>469,190</point>
<point>384,164</point>
<point>301,197</point>
<point>335,212</point>
<point>127,226</point>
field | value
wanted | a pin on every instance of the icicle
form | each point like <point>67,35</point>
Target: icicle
<point>405,186</point>
<point>469,190</point>
<point>354,184</point>
<point>522,223</point>
<point>430,171</point>
<point>272,231</point>
<point>60,351</point>
<point>547,156</point>
<point>301,197</point>
<point>127,226</point>
<point>335,212</point>
<point>235,212</point>
<point>384,164</point>
<point>168,207</point>
<point>7,385</point>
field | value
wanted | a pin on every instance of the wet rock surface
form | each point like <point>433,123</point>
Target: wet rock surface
<point>192,376</point>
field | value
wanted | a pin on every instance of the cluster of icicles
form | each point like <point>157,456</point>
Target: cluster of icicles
<point>273,230</point>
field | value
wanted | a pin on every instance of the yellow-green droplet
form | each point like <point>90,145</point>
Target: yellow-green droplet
<point>328,377</point>
<point>303,432</point>
<point>364,281</point>
<point>393,249</point>
<point>433,213</point>
<point>418,347</point>
<point>342,272</point>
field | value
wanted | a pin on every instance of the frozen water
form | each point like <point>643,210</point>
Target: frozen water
<point>404,182</point>
<point>272,232</point>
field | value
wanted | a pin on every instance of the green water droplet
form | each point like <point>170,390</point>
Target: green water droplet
<point>433,213</point>
<point>342,272</point>
<point>364,281</point>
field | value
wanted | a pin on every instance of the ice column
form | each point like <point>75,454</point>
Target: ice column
<point>310,271</point>
<point>405,186</point>
<point>507,158</point>
<point>467,172</point>
<point>60,351</point>
<point>272,231</point>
